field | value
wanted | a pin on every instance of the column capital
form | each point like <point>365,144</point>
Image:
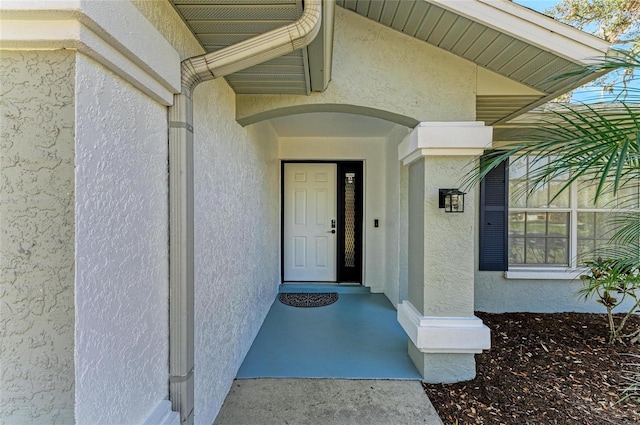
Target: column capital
<point>450,138</point>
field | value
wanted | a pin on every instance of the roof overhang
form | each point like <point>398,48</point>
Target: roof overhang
<point>508,40</point>
<point>524,58</point>
<point>217,24</point>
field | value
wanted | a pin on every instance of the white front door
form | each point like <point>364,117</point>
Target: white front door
<point>310,222</point>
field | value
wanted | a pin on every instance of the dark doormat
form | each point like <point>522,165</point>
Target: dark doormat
<point>299,299</point>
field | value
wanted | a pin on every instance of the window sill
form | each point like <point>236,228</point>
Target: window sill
<point>544,273</point>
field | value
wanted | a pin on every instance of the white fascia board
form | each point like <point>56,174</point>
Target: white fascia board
<point>531,27</point>
<point>114,34</point>
<point>434,334</point>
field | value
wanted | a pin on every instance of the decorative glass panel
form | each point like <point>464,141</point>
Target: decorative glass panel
<point>350,220</point>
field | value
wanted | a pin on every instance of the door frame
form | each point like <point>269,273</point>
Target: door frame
<point>342,275</point>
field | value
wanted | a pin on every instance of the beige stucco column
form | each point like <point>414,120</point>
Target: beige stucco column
<point>438,314</point>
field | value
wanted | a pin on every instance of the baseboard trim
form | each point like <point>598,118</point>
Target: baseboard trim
<point>163,415</point>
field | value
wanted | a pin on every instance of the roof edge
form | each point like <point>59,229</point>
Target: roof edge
<point>530,26</point>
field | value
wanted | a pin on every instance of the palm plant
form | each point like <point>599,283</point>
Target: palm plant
<point>612,284</point>
<point>598,143</point>
<point>595,142</point>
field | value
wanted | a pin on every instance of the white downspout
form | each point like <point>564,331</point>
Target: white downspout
<point>253,51</point>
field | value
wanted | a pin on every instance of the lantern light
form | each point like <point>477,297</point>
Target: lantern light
<point>452,200</point>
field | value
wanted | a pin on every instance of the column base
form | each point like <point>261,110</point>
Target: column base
<point>434,334</point>
<point>443,368</point>
<point>443,348</point>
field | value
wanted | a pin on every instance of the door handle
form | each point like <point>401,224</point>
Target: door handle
<point>331,231</point>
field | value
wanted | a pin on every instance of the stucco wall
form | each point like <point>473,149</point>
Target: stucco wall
<point>496,294</point>
<point>372,151</point>
<point>121,249</point>
<point>168,23</point>
<point>36,237</point>
<point>395,285</point>
<point>236,240</point>
<point>416,242</point>
<point>430,85</point>
<point>403,236</point>
<point>448,241</point>
<point>236,225</point>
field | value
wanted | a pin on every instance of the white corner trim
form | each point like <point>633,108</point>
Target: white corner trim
<point>432,334</point>
<point>163,415</point>
<point>530,26</point>
<point>464,138</point>
<point>115,34</point>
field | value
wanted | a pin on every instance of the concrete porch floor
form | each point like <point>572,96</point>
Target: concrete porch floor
<point>357,353</point>
<point>357,337</point>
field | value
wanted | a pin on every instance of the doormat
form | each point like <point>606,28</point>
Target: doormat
<point>299,299</point>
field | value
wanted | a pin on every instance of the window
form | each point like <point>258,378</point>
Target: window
<point>558,230</point>
<point>539,224</point>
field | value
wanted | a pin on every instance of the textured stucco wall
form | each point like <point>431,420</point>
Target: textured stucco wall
<point>403,235</point>
<point>236,240</point>
<point>448,242</point>
<point>121,292</point>
<point>381,68</point>
<point>236,225</point>
<point>395,224</point>
<point>372,151</point>
<point>495,294</point>
<point>415,239</point>
<point>36,237</point>
<point>168,23</point>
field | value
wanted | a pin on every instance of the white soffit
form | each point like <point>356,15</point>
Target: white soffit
<point>497,35</point>
<point>221,23</point>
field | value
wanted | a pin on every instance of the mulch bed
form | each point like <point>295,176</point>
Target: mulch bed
<point>543,369</point>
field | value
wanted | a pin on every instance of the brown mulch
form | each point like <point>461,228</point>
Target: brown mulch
<point>543,369</point>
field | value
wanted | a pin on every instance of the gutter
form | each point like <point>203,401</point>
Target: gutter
<point>256,50</point>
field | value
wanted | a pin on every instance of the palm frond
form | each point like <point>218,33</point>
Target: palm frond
<point>592,142</point>
<point>616,59</point>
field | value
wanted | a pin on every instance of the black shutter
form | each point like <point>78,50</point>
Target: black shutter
<point>494,196</point>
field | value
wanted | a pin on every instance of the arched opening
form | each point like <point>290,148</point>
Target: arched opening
<point>352,110</point>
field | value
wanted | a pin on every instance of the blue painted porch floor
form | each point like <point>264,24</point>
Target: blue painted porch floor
<point>357,337</point>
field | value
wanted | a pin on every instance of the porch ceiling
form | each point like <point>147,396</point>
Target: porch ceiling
<point>497,35</point>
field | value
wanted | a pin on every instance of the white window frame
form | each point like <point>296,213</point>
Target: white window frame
<point>559,272</point>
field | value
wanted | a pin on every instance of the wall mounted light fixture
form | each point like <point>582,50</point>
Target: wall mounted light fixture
<point>452,200</point>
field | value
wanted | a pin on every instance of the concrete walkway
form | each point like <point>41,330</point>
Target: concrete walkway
<point>326,401</point>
